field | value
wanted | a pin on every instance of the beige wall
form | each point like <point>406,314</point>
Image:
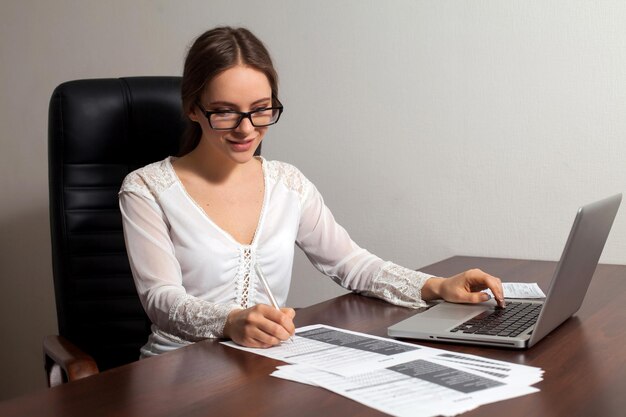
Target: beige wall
<point>432,128</point>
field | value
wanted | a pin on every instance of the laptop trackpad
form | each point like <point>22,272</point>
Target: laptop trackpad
<point>454,313</point>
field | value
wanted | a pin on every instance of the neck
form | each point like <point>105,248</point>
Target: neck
<point>216,167</point>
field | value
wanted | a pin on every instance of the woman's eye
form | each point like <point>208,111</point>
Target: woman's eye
<point>225,115</point>
<point>262,110</point>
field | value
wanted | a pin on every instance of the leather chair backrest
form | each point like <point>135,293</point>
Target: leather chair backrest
<point>99,131</point>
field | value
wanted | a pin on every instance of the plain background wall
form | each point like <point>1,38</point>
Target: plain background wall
<point>432,128</point>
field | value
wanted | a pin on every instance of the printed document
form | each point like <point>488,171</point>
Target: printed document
<point>395,377</point>
<point>342,351</point>
<point>520,290</point>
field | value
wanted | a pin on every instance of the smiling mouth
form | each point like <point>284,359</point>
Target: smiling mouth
<point>240,142</point>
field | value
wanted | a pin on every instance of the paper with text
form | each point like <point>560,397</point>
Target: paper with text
<point>520,290</point>
<point>341,351</point>
<point>398,378</point>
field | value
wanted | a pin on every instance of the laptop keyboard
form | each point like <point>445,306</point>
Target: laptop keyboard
<point>509,322</point>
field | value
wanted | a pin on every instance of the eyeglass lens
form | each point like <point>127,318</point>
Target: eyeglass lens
<point>230,120</point>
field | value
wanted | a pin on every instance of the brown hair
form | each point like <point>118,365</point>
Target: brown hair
<point>213,52</point>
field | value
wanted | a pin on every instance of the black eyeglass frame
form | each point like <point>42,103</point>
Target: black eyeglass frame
<point>242,115</point>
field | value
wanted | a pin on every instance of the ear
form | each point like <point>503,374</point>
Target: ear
<point>193,114</point>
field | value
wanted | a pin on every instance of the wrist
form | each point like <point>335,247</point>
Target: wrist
<point>230,318</point>
<point>432,289</point>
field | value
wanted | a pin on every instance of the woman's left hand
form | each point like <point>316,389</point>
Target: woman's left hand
<point>465,287</point>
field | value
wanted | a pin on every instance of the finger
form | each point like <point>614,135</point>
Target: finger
<point>275,328</point>
<point>287,323</point>
<point>289,311</point>
<point>261,331</point>
<point>259,338</point>
<point>480,280</point>
<point>283,317</point>
<point>495,285</point>
<point>246,329</point>
<point>476,297</point>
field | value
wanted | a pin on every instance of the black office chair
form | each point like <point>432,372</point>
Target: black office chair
<point>99,131</point>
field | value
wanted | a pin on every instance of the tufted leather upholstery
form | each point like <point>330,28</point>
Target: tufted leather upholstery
<point>99,131</point>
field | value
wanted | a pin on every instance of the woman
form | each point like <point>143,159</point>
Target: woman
<point>196,225</point>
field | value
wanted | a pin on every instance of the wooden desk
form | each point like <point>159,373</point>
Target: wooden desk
<point>584,362</point>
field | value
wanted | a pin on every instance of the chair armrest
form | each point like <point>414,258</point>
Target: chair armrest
<point>73,362</point>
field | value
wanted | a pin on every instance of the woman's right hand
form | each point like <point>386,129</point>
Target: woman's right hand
<point>261,326</point>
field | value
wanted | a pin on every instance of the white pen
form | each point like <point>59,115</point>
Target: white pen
<point>268,291</point>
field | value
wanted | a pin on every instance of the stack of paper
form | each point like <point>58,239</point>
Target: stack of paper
<point>394,377</point>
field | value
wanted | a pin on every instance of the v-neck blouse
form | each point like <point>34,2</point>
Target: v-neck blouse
<point>208,218</point>
<point>190,273</point>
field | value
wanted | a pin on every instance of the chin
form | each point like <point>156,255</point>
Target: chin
<point>242,157</point>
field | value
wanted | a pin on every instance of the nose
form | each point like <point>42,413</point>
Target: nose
<point>245,126</point>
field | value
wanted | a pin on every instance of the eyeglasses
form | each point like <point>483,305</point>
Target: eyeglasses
<point>230,119</point>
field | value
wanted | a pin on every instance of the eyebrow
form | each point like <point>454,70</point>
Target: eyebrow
<point>226,103</point>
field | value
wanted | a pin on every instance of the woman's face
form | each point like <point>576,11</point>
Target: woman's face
<point>239,88</point>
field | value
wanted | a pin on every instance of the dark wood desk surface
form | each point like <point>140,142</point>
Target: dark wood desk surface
<point>584,362</point>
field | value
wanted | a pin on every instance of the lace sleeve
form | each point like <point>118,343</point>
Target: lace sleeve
<point>398,285</point>
<point>193,319</point>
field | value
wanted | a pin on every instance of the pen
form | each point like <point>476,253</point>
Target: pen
<point>259,273</point>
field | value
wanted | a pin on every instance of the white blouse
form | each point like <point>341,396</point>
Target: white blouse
<point>190,274</point>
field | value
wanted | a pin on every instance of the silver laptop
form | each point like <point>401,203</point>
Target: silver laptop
<point>524,322</point>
